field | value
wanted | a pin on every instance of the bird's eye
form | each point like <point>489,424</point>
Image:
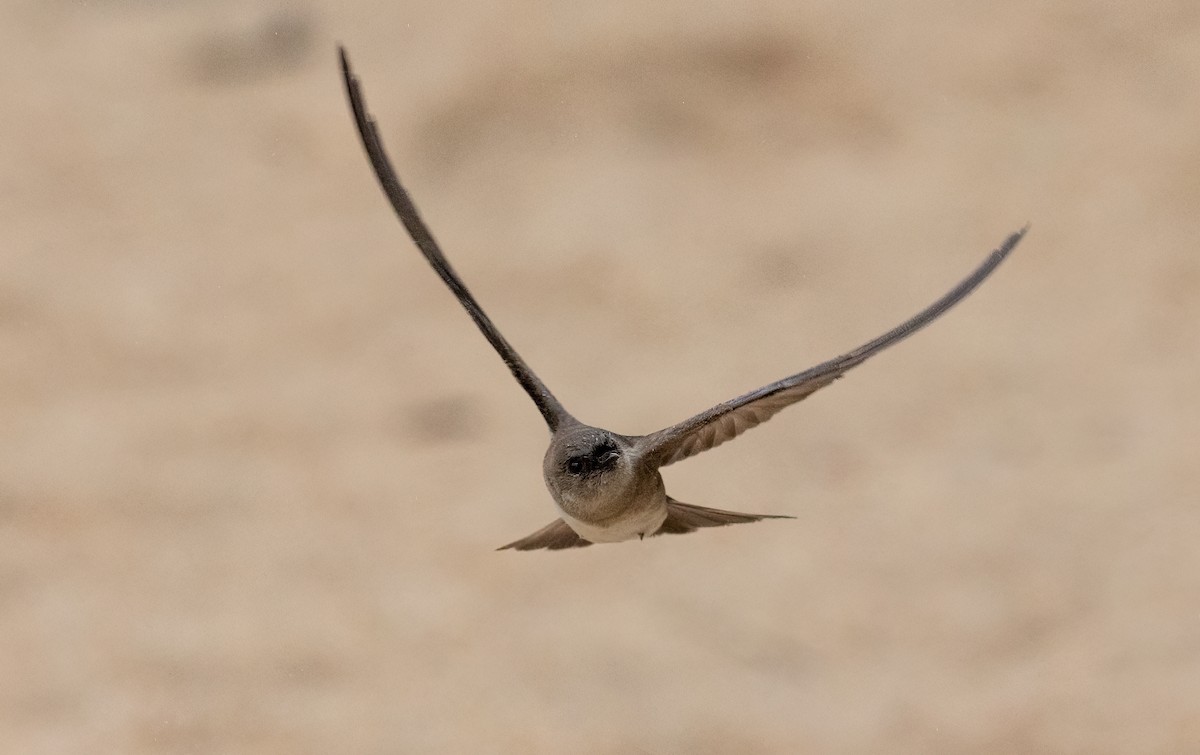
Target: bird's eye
<point>575,465</point>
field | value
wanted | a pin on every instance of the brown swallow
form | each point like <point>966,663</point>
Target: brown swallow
<point>607,486</point>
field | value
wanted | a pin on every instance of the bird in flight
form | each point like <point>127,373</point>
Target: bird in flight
<point>607,486</point>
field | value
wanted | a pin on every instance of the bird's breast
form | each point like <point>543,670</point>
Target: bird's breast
<point>615,512</point>
<point>635,523</point>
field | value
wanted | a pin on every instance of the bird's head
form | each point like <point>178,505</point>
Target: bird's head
<point>586,463</point>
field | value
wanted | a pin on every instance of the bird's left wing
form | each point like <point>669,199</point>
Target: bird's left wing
<point>728,420</point>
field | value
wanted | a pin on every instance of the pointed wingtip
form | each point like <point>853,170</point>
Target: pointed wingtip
<point>344,60</point>
<point>1011,242</point>
<point>998,255</point>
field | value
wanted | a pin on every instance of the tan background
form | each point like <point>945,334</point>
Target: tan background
<point>254,458</point>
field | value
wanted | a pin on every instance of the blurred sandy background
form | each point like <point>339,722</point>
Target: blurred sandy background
<point>254,458</point>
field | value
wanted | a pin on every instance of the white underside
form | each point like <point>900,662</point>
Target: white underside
<point>636,525</point>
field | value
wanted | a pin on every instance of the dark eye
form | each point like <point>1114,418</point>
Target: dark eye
<point>575,465</point>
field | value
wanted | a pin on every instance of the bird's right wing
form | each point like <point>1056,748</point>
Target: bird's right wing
<point>551,410</point>
<point>728,420</point>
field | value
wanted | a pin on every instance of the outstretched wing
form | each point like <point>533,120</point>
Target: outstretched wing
<point>551,410</point>
<point>728,420</point>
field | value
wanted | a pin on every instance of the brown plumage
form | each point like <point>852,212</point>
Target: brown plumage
<point>682,518</point>
<point>607,486</point>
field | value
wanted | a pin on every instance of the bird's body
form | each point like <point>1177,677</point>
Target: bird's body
<point>607,487</point>
<point>613,497</point>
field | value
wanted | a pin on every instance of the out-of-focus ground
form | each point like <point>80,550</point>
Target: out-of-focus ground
<point>254,458</point>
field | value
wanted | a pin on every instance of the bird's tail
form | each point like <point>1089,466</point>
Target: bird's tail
<point>684,517</point>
